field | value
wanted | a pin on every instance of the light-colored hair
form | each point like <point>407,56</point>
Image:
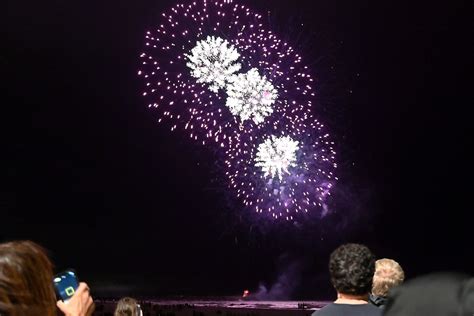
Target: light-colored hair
<point>127,306</point>
<point>388,274</point>
<point>26,280</point>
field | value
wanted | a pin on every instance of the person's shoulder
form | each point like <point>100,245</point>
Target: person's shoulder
<point>370,308</point>
<point>326,310</point>
<point>373,310</point>
<point>342,309</point>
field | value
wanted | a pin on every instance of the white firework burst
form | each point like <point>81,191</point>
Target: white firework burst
<point>275,155</point>
<point>213,61</point>
<point>250,96</point>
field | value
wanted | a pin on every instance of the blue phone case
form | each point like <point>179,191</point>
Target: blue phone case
<point>66,284</point>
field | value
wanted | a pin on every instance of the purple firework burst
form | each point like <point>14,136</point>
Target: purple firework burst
<point>212,69</point>
<point>284,174</point>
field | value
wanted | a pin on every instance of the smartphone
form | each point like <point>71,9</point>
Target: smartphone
<point>66,284</point>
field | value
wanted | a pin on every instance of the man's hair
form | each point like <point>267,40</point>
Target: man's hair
<point>126,306</point>
<point>388,274</point>
<point>352,268</point>
<point>26,280</point>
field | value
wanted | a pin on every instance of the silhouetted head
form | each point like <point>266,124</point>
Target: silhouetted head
<point>442,294</point>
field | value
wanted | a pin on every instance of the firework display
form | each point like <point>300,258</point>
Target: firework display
<point>212,68</point>
<point>286,174</point>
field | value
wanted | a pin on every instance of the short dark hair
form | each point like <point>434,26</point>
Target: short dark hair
<point>352,268</point>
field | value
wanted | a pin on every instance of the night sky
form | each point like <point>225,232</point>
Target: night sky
<point>88,173</point>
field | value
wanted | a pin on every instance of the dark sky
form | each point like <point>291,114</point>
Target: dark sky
<point>135,209</point>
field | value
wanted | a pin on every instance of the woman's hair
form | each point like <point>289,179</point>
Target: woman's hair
<point>127,306</point>
<point>352,267</point>
<point>26,280</point>
<point>388,274</point>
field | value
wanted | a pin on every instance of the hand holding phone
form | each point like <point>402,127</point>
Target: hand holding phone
<point>80,304</point>
<point>75,298</point>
